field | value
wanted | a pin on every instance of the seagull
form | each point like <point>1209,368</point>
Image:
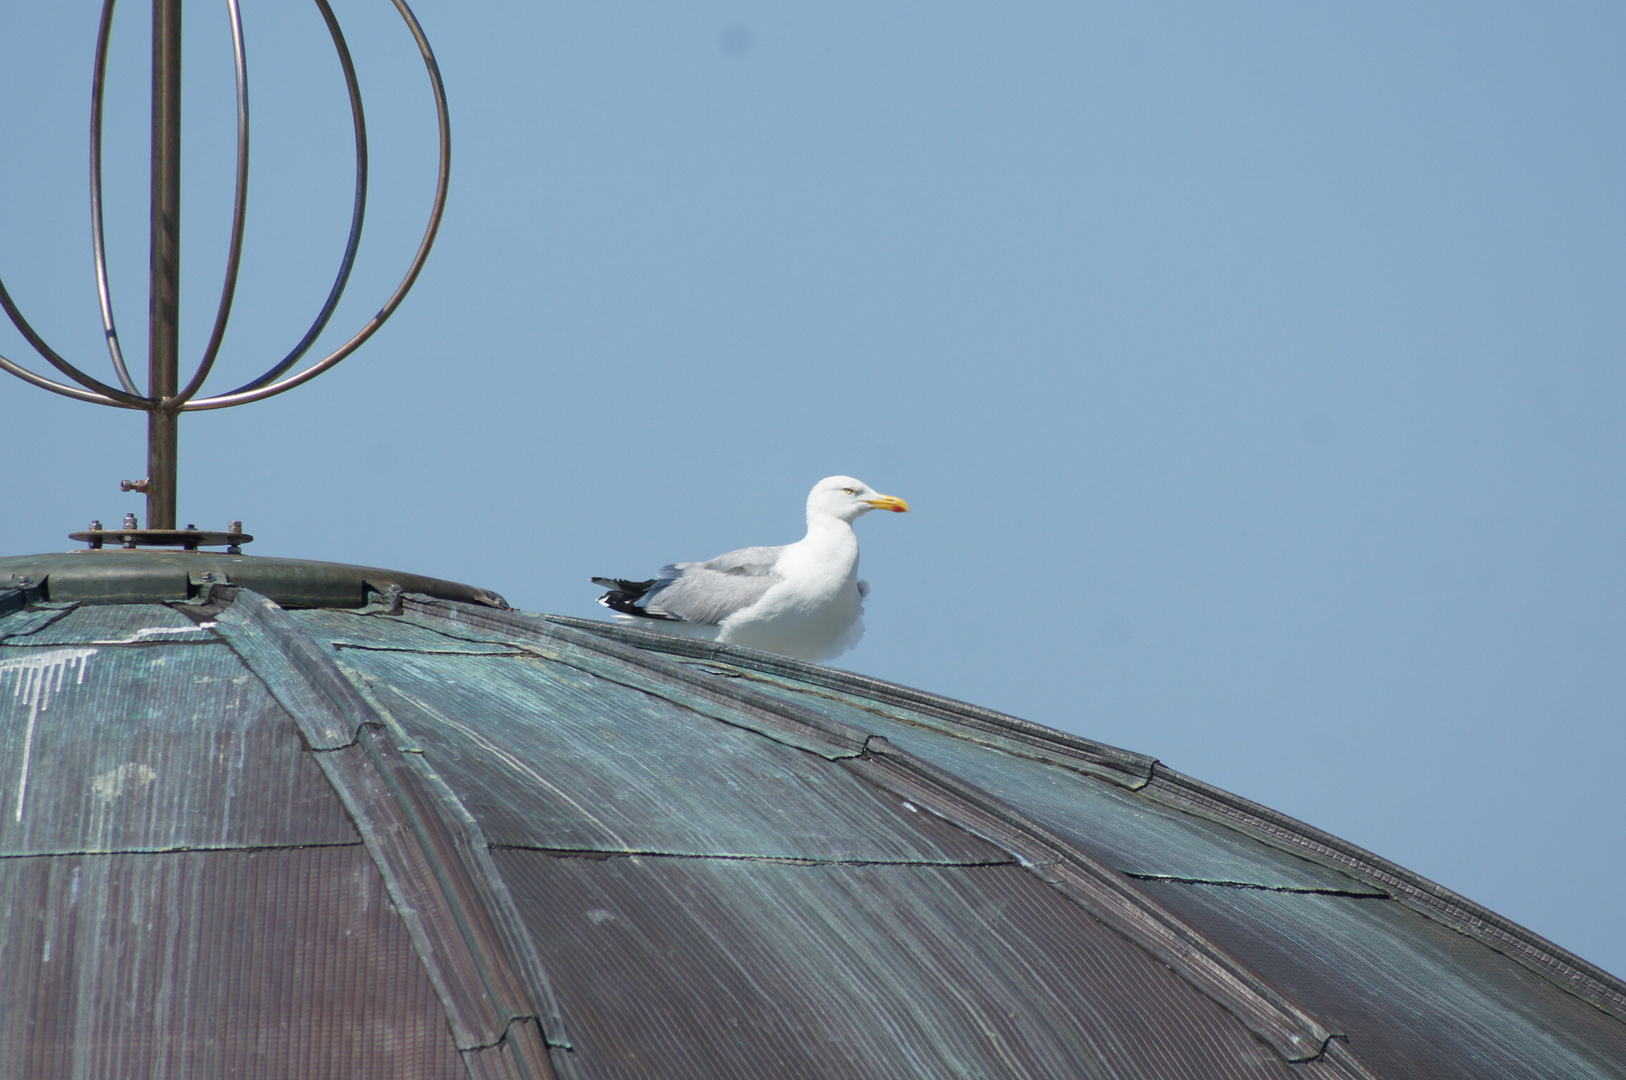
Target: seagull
<point>801,600</point>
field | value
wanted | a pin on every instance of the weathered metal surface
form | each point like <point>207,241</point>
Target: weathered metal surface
<point>1133,834</point>
<point>1165,788</point>
<point>1276,1018</point>
<point>1562,967</point>
<point>1113,823</point>
<point>18,592</point>
<point>343,628</point>
<point>1280,1022</point>
<point>152,746</point>
<point>557,756</point>
<point>750,969</point>
<point>117,576</point>
<point>599,861</point>
<point>431,856</point>
<point>966,721</point>
<point>20,616</point>
<point>1416,999</point>
<point>113,624</point>
<point>282,963</point>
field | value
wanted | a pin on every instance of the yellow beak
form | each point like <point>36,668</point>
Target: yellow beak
<point>887,502</point>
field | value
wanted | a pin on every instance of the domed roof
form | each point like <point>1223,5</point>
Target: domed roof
<point>389,827</point>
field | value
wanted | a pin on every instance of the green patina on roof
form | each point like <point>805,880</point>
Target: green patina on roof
<point>612,853</point>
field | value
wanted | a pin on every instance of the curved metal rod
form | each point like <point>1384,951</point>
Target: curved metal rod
<point>98,85</point>
<point>234,254</point>
<point>61,388</point>
<point>358,211</point>
<point>101,393</point>
<point>442,180</point>
<point>95,390</point>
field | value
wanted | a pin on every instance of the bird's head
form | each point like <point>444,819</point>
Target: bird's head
<point>849,499</point>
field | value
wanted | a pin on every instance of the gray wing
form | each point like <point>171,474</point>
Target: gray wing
<point>702,595</point>
<point>709,592</point>
<point>747,561</point>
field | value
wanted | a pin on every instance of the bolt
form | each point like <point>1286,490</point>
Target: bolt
<point>95,526</point>
<point>191,527</point>
<point>235,527</point>
<point>130,522</point>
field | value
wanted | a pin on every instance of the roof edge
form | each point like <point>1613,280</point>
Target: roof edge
<point>1553,962</point>
<point>120,576</point>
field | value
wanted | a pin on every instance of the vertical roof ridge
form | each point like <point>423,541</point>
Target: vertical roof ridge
<point>426,846</point>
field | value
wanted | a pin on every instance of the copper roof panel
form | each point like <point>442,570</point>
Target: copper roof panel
<point>552,754</point>
<point>129,624</point>
<point>752,969</point>
<point>1054,777</point>
<point>371,629</point>
<point>724,865</point>
<point>170,743</point>
<point>995,728</point>
<point>285,963</point>
<point>1128,831</point>
<point>1416,999</point>
<point>1123,828</point>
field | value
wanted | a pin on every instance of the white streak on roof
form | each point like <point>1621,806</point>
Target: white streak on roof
<point>39,678</point>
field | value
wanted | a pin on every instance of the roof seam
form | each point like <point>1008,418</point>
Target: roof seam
<point>1335,1052</point>
<point>835,753</point>
<point>179,849</point>
<point>1433,901</point>
<point>1218,883</point>
<point>785,860</point>
<point>1025,748</point>
<point>31,619</point>
<point>361,647</point>
<point>1107,895</point>
<point>452,910</point>
<point>125,643</point>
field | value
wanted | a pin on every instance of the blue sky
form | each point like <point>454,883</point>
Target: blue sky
<point>1255,370</point>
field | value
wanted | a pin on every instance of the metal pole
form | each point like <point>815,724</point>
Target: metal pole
<point>163,315</point>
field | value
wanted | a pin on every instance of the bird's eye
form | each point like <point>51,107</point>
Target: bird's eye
<point>849,491</point>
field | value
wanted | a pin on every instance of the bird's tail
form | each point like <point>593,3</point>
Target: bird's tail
<point>624,595</point>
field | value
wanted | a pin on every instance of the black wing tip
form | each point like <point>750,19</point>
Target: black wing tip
<point>633,588</point>
<point>624,595</point>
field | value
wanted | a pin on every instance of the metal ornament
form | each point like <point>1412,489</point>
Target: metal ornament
<point>165,397</point>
